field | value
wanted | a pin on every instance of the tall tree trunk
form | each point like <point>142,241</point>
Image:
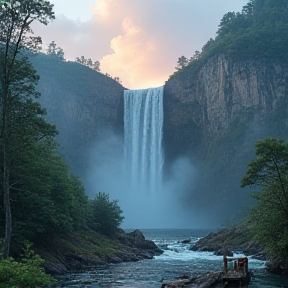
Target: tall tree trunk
<point>7,207</point>
<point>15,34</point>
<point>6,183</point>
<point>6,162</point>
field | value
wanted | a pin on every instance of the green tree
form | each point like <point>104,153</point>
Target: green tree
<point>106,215</point>
<point>88,62</point>
<point>259,30</point>
<point>82,60</point>
<point>55,52</point>
<point>46,199</point>
<point>226,23</point>
<point>195,57</point>
<point>181,63</point>
<point>96,66</point>
<point>270,215</point>
<point>18,112</point>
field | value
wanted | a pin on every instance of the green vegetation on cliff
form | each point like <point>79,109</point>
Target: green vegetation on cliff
<point>259,31</point>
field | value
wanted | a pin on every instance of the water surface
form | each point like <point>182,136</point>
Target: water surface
<point>176,261</point>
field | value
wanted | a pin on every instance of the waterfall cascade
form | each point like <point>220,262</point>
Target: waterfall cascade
<point>143,133</point>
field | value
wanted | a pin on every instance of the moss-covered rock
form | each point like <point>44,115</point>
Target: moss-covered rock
<point>85,249</point>
<point>236,239</point>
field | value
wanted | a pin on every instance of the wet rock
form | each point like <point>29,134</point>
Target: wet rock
<point>260,256</point>
<point>187,241</point>
<point>277,267</point>
<point>137,240</point>
<point>223,252</point>
<point>203,281</point>
<point>237,239</point>
<point>69,256</point>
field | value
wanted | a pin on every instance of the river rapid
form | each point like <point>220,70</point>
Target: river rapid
<point>176,261</point>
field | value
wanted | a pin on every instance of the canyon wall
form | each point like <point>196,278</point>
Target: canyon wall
<point>222,92</point>
<point>214,114</point>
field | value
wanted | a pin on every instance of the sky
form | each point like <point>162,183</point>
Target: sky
<point>138,41</point>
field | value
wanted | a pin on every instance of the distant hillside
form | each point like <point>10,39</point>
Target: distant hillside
<point>83,103</point>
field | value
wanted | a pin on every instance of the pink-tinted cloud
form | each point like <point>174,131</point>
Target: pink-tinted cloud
<point>139,40</point>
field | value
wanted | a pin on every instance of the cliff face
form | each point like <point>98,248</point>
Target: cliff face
<point>222,93</point>
<point>83,104</point>
<point>215,116</point>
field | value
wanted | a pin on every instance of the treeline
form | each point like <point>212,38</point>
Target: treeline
<point>41,199</point>
<point>57,52</point>
<point>259,31</point>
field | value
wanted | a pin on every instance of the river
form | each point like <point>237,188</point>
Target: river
<point>176,261</point>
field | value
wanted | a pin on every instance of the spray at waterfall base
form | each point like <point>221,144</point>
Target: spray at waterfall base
<point>132,171</point>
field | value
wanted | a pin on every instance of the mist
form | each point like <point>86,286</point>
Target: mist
<point>165,208</point>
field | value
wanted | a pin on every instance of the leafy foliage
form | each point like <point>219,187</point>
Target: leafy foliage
<point>28,273</point>
<point>55,52</point>
<point>105,214</point>
<point>47,200</point>
<point>259,31</point>
<point>270,216</point>
<point>181,63</point>
<point>88,62</point>
<point>37,188</point>
<point>21,118</point>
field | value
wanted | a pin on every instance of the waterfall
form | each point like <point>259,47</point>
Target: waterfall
<point>143,133</point>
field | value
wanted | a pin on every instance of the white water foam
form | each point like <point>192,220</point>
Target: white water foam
<point>178,251</point>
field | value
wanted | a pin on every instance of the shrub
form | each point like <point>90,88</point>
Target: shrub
<point>28,273</point>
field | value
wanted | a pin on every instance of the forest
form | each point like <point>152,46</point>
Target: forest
<point>41,199</point>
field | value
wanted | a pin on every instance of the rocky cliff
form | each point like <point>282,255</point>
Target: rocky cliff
<point>214,114</point>
<point>223,93</point>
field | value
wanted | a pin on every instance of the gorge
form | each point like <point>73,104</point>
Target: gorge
<point>211,124</point>
<point>215,110</point>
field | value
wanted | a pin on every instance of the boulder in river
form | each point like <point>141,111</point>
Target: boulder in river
<point>204,281</point>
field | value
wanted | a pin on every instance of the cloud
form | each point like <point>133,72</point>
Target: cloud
<point>133,56</point>
<point>138,41</point>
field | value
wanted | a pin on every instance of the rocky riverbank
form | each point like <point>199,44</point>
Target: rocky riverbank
<point>236,239</point>
<point>240,239</point>
<point>86,249</point>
